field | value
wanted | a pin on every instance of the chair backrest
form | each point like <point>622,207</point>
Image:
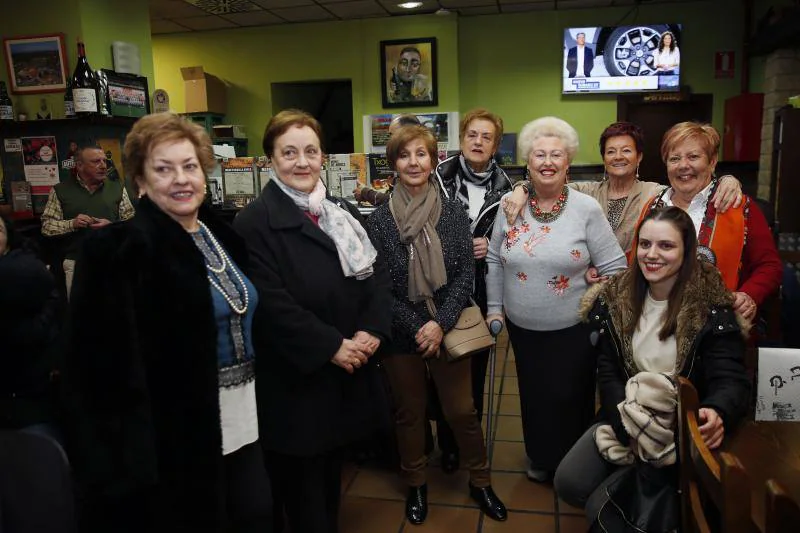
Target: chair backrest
<point>783,512</point>
<point>35,484</point>
<point>706,481</point>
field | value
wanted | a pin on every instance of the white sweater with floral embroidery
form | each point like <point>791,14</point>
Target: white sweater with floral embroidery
<point>536,270</point>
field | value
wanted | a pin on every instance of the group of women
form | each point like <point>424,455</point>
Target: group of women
<point>214,373</point>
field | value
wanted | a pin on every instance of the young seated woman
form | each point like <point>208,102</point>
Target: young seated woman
<point>668,315</point>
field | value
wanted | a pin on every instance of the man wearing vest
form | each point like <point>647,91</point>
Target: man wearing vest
<point>86,201</point>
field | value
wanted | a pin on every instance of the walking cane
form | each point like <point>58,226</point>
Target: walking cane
<point>495,327</point>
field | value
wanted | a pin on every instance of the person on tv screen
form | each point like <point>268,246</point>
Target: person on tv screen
<point>668,56</point>
<point>580,58</point>
<point>408,84</point>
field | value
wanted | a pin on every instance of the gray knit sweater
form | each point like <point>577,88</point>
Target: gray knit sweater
<point>536,270</point>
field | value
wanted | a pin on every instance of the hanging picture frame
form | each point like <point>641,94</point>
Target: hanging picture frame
<point>408,73</point>
<point>36,64</point>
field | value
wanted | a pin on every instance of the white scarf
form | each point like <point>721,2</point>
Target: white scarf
<point>356,253</point>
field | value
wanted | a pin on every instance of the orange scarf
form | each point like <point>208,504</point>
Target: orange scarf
<point>724,233</point>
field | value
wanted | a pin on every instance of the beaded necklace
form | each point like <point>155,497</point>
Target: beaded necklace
<point>237,301</point>
<point>546,217</point>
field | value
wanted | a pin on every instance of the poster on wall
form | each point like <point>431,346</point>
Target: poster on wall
<point>40,160</point>
<point>443,125</point>
<point>113,151</point>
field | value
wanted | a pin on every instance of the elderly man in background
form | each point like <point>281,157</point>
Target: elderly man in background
<point>86,201</point>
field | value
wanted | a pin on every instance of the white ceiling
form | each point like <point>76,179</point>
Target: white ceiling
<point>174,16</point>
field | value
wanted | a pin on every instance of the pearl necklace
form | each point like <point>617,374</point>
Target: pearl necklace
<point>228,298</point>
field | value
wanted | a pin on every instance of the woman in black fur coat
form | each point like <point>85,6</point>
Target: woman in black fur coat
<point>160,376</point>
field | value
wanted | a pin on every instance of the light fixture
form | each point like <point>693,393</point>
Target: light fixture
<point>409,5</point>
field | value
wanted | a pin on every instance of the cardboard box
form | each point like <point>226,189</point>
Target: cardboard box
<point>230,130</point>
<point>204,93</point>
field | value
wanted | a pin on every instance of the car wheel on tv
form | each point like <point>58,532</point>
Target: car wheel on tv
<point>629,50</point>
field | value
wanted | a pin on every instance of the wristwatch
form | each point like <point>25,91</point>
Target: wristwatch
<point>524,184</point>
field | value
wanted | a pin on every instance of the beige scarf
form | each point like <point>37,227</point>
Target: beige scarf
<point>416,218</point>
<point>648,414</point>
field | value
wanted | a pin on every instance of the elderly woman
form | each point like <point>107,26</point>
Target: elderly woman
<point>536,275</point>
<point>428,249</point>
<point>669,315</point>
<point>163,432</point>
<point>325,309</point>
<point>738,242</point>
<point>475,180</point>
<point>621,194</point>
<point>29,327</point>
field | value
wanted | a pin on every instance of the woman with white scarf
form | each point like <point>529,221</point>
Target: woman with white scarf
<point>668,315</point>
<point>426,243</point>
<point>324,310</point>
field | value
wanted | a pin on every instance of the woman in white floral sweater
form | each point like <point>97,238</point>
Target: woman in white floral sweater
<point>536,279</point>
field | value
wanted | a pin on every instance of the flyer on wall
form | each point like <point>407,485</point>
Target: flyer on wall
<point>40,162</point>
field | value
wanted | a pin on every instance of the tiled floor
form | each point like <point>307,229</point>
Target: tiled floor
<point>373,500</point>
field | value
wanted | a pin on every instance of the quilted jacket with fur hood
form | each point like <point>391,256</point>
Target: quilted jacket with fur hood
<point>710,340</point>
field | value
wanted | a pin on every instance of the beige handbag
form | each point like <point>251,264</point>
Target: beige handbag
<point>470,334</point>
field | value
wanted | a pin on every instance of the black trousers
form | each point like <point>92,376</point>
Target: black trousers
<point>249,494</point>
<point>307,490</point>
<point>444,434</point>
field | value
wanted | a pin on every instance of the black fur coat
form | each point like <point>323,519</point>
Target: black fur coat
<point>144,433</point>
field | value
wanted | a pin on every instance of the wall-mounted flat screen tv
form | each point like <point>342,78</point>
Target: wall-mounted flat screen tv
<point>619,59</point>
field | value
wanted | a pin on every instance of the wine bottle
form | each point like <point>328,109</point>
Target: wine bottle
<point>84,86</point>
<point>69,103</point>
<point>6,106</point>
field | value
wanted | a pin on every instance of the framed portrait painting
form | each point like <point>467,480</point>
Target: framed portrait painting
<point>408,73</point>
<point>36,64</point>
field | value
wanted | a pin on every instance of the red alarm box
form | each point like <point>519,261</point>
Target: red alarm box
<point>741,140</point>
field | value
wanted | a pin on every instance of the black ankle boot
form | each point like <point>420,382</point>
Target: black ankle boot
<point>489,502</point>
<point>449,462</point>
<point>417,504</point>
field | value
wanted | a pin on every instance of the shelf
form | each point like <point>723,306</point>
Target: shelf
<point>60,122</point>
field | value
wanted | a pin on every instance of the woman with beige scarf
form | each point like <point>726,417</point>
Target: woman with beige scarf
<point>427,246</point>
<point>668,315</point>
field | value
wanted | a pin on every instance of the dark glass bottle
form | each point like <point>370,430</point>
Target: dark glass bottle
<point>69,103</point>
<point>84,86</point>
<point>6,106</point>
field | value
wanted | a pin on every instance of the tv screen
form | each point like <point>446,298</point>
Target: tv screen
<point>618,59</point>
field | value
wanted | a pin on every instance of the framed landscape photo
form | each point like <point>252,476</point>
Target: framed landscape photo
<point>36,63</point>
<point>408,73</point>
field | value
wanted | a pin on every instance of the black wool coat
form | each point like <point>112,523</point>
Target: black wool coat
<point>306,404</point>
<point>29,329</point>
<point>141,380</point>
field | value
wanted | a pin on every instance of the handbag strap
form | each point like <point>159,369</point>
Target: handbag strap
<point>432,306</point>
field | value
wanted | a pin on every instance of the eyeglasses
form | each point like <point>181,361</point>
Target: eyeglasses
<point>555,157</point>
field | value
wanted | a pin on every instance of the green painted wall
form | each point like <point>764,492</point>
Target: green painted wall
<point>103,23</point>
<point>97,22</point>
<point>249,60</point>
<point>512,63</point>
<point>51,16</point>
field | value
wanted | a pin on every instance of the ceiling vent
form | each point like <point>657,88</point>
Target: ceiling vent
<point>222,7</point>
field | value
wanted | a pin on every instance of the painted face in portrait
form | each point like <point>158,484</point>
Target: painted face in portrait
<point>408,65</point>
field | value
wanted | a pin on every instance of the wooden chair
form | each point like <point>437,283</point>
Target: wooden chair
<point>783,513</point>
<point>704,480</point>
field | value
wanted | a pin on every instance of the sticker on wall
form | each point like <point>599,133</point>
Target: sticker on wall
<point>724,64</point>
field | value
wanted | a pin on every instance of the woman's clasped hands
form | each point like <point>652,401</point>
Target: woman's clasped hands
<point>354,353</point>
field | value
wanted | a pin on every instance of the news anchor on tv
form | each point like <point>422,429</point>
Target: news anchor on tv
<point>580,58</point>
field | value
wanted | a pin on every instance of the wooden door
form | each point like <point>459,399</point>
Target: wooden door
<point>657,113</point>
